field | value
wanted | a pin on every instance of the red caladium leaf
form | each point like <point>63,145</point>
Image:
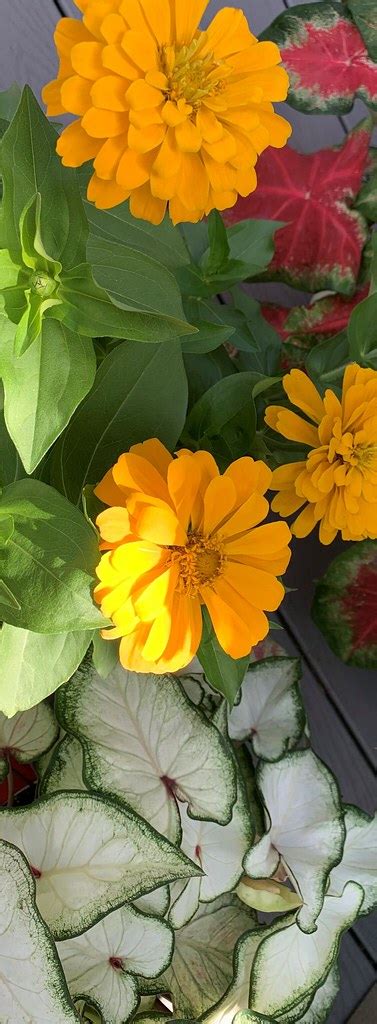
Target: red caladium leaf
<point>302,327</point>
<point>345,605</point>
<point>326,58</point>
<point>321,245</point>
<point>23,777</point>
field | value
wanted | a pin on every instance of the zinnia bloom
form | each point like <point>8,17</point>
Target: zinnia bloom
<point>336,484</point>
<point>177,536</point>
<point>168,113</point>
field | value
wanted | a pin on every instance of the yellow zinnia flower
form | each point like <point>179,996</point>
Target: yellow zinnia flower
<point>177,536</point>
<point>168,113</point>
<point>336,484</point>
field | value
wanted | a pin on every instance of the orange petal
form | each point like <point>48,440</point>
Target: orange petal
<point>247,515</point>
<point>87,60</point>
<point>159,524</point>
<point>302,393</point>
<point>114,524</point>
<point>219,501</point>
<point>75,147</point>
<point>107,160</point>
<point>259,588</point>
<point>183,483</point>
<point>104,124</point>
<point>232,632</point>
<point>109,93</point>
<point>75,94</point>
<point>133,170</point>
<point>105,194</point>
<point>146,206</point>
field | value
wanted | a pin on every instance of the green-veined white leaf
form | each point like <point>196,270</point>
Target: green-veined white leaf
<point>250,1017</point>
<point>219,850</point>
<point>201,968</point>
<point>33,665</point>
<point>146,742</point>
<point>64,770</point>
<point>27,735</point>
<point>304,826</point>
<point>318,1011</point>
<point>156,902</point>
<point>102,965</point>
<point>89,855</point>
<point>32,984</point>
<point>270,712</point>
<point>358,863</point>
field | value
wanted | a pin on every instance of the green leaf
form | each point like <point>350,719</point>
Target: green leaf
<point>259,345</point>
<point>225,674</point>
<point>326,363</point>
<point>90,855</point>
<point>217,256</point>
<point>123,273</point>
<point>33,987</point>
<point>6,529</point>
<point>47,567</point>
<point>364,15</point>
<point>252,242</point>
<point>211,319</point>
<point>362,332</point>
<point>105,656</point>
<point>29,164</point>
<point>163,243</point>
<point>224,417</point>
<point>140,391</point>
<point>44,386</point>
<point>9,100</point>
<point>205,370</point>
<point>34,665</point>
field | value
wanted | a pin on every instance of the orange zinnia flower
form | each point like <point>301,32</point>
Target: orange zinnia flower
<point>336,484</point>
<point>169,114</point>
<point>177,536</point>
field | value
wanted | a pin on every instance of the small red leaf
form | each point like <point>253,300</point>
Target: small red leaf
<point>326,58</point>
<point>345,605</point>
<point>24,775</point>
<point>322,243</point>
<point>302,327</point>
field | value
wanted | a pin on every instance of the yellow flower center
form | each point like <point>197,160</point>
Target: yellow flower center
<point>355,453</point>
<point>191,76</point>
<point>200,562</point>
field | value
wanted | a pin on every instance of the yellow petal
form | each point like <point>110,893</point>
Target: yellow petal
<point>209,126</point>
<point>255,619</point>
<point>253,511</point>
<point>105,194</point>
<point>141,48</point>
<point>151,600</point>
<point>187,16</point>
<point>174,115</point>
<point>140,96</point>
<point>104,124</point>
<point>158,16</point>
<point>219,501</point>
<point>302,393</point>
<point>168,160</point>
<point>262,541</point>
<point>260,588</point>
<point>75,94</point>
<point>232,632</point>
<point>158,637</point>
<point>51,96</point>
<point>145,139</point>
<point>154,452</point>
<point>290,425</point>
<point>305,522</point>
<point>285,476</point>
<point>188,137</point>
<point>183,483</point>
<point>68,33</point>
<point>109,93</point>
<point>249,476</point>
<point>114,524</point>
<point>229,33</point>
<point>278,128</point>
<point>113,28</point>
<point>87,60</point>
<point>133,170</point>
<point>193,182</point>
<point>75,146</point>
<point>107,160</point>
<point>146,206</point>
<point>115,59</point>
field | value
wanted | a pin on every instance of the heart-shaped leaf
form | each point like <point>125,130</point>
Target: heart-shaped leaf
<point>327,61</point>
<point>305,828</point>
<point>64,770</point>
<point>89,855</point>
<point>26,736</point>
<point>144,741</point>
<point>104,963</point>
<point>345,605</point>
<point>358,863</point>
<point>321,245</point>
<point>34,665</point>
<point>32,984</point>
<point>270,712</point>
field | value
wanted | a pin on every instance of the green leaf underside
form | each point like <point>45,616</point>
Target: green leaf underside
<point>34,665</point>
<point>150,746</point>
<point>139,392</point>
<point>49,562</point>
<point>109,856</point>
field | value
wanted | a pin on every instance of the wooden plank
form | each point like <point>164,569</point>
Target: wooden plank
<point>27,50</point>
<point>366,1013</point>
<point>352,690</point>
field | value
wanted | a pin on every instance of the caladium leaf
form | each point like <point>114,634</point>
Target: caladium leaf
<point>64,770</point>
<point>270,712</point>
<point>89,855</point>
<point>219,850</point>
<point>305,828</point>
<point>325,56</point>
<point>364,15</point>
<point>267,896</point>
<point>32,984</point>
<point>102,965</point>
<point>156,902</point>
<point>358,863</point>
<point>33,665</point>
<point>319,1009</point>
<point>345,605</point>
<point>279,970</point>
<point>26,736</point>
<point>201,968</point>
<point>366,201</point>
<point>302,327</point>
<point>321,245</point>
<point>145,741</point>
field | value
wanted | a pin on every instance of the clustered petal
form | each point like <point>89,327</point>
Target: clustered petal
<point>178,535</point>
<point>170,115</point>
<point>336,484</point>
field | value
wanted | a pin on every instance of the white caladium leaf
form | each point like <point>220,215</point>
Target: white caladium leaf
<point>156,902</point>
<point>26,736</point>
<point>278,970</point>
<point>305,827</point>
<point>250,1017</point>
<point>318,1011</point>
<point>64,770</point>
<point>219,850</point>
<point>89,855</point>
<point>144,741</point>
<point>102,965</point>
<point>290,965</point>
<point>32,984</point>
<point>270,712</point>
<point>358,863</point>
<point>201,968</point>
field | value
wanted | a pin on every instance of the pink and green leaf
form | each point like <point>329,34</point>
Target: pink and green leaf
<point>366,202</point>
<point>302,327</point>
<point>345,605</point>
<point>325,56</point>
<point>322,242</point>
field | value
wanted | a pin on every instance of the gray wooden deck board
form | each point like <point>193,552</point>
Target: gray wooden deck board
<point>338,699</point>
